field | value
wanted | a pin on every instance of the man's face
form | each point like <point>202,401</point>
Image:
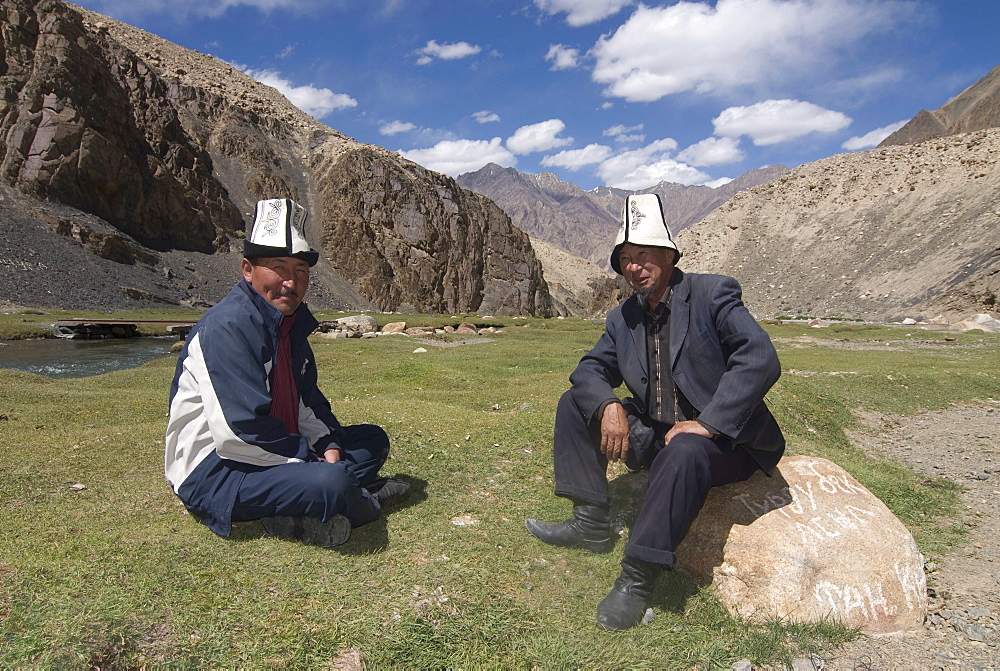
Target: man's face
<point>281,280</point>
<point>647,269</point>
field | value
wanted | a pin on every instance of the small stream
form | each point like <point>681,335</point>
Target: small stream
<point>65,358</point>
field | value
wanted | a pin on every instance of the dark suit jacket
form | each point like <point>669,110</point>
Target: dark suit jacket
<point>721,360</point>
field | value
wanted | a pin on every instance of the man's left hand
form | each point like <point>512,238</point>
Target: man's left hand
<point>332,456</point>
<point>688,426</point>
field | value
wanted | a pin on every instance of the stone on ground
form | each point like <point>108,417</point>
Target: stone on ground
<point>806,544</point>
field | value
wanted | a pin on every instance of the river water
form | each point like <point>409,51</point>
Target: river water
<point>64,357</point>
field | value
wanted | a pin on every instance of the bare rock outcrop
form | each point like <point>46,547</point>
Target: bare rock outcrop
<point>578,287</point>
<point>390,218</point>
<point>172,148</point>
<point>88,124</point>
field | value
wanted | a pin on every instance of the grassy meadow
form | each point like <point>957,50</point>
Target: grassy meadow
<point>117,575</point>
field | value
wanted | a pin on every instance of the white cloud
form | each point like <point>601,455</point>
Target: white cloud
<point>635,137</point>
<point>774,121</point>
<point>582,12</point>
<point>395,127</point>
<point>563,57</point>
<point>867,83</point>
<point>873,138</point>
<point>713,151</point>
<point>446,52</point>
<point>574,159</point>
<point>692,46</point>
<point>485,116</point>
<point>623,133</point>
<point>540,136</point>
<point>454,157</point>
<point>621,129</point>
<point>716,183</point>
<point>648,166</point>
<point>313,101</point>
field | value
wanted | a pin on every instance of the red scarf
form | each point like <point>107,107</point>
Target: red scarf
<point>284,394</point>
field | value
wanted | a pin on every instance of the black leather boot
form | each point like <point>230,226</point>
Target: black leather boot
<point>589,529</point>
<point>626,603</point>
<point>389,491</point>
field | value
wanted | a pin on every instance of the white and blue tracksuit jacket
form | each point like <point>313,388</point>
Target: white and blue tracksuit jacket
<point>220,398</point>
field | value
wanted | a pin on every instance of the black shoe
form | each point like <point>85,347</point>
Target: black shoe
<point>309,530</point>
<point>589,529</point>
<point>389,491</point>
<point>626,603</point>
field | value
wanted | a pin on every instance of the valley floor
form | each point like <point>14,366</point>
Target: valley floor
<point>963,626</point>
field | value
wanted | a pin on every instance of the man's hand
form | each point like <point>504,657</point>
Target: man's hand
<point>332,455</point>
<point>614,432</point>
<point>688,426</point>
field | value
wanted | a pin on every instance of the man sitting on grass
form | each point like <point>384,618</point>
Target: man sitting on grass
<point>250,435</point>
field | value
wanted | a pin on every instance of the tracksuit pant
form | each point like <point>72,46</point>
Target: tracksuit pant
<point>317,488</point>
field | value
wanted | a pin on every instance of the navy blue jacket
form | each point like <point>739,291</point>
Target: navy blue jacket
<point>220,399</point>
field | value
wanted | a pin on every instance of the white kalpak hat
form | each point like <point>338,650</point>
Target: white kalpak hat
<point>643,224</point>
<point>279,229</point>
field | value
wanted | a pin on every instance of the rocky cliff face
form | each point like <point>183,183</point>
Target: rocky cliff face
<point>443,247</point>
<point>549,209</point>
<point>578,287</point>
<point>88,124</point>
<point>171,148</point>
<point>586,222</point>
<point>902,231</point>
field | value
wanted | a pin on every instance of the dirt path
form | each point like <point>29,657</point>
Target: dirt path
<point>963,626</point>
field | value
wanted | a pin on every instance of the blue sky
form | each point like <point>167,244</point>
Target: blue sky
<point>608,92</point>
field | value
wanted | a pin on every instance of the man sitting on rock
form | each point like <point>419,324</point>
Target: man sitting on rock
<point>250,435</point>
<point>697,366</point>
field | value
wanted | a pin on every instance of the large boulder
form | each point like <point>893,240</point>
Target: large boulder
<point>808,543</point>
<point>358,323</point>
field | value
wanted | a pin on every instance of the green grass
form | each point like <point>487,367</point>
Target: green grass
<point>118,576</point>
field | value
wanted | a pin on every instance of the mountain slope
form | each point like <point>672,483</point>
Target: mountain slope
<point>578,287</point>
<point>975,108</point>
<point>586,222</point>
<point>902,231</point>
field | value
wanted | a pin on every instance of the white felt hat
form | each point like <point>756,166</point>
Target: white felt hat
<point>279,229</point>
<point>643,224</point>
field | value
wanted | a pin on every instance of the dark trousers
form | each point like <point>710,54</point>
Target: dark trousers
<point>317,488</point>
<point>680,475</point>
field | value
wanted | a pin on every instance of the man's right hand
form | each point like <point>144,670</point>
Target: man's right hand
<point>614,432</point>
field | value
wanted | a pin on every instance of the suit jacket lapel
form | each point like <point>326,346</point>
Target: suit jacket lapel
<point>632,312</point>
<point>680,316</point>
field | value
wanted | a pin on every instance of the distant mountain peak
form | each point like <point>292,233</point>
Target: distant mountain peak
<point>585,222</point>
<point>975,108</point>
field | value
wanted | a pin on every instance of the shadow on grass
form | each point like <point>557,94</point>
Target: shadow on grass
<point>374,536</point>
<point>368,539</point>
